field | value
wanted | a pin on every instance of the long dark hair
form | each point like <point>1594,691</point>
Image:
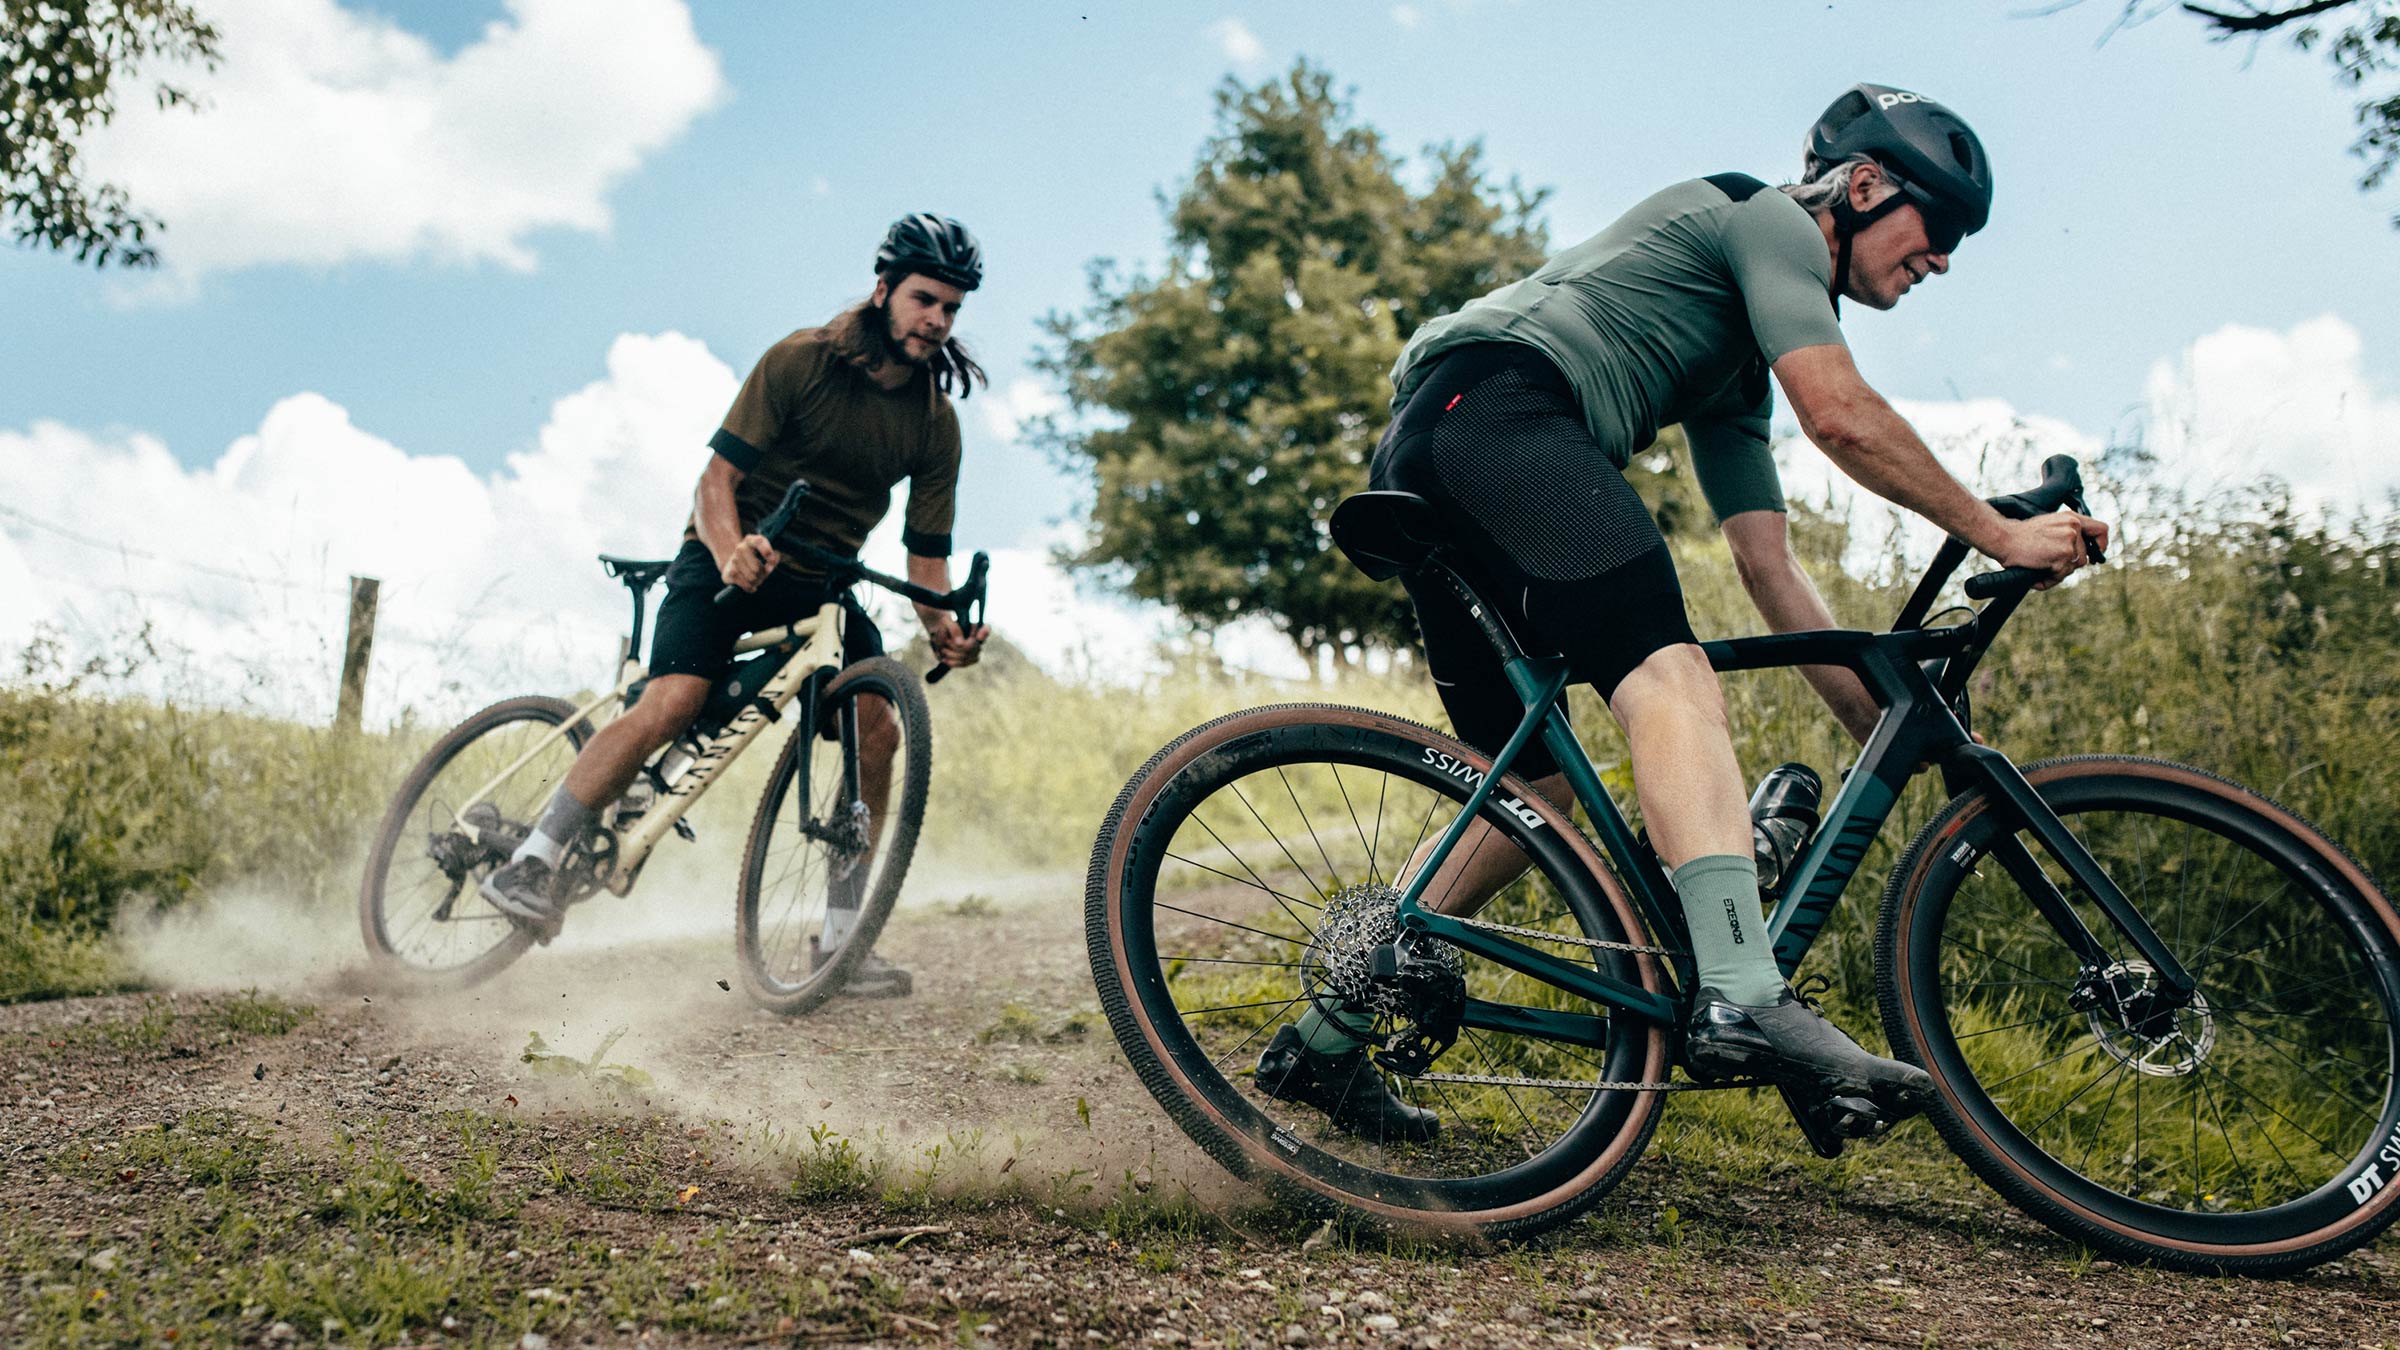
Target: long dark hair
<point>863,334</point>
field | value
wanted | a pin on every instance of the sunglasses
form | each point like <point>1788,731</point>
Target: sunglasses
<point>1942,230</point>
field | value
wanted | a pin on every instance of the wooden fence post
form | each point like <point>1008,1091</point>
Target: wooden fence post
<point>355,650</point>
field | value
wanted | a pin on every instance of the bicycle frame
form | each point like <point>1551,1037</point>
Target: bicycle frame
<point>813,645</point>
<point>1918,726</point>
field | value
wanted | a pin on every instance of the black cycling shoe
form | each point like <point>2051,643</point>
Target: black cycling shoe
<point>1836,1089</point>
<point>874,977</point>
<point>520,889</point>
<point>1348,1088</point>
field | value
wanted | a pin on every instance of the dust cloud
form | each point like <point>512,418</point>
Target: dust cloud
<point>999,1072</point>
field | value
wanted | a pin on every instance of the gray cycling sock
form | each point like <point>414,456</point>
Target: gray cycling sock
<point>1729,932</point>
<point>563,821</point>
<point>1332,1030</point>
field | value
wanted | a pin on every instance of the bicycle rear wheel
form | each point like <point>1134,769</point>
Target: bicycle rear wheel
<point>821,835</point>
<point>1245,871</point>
<point>420,908</point>
<point>2257,1129</point>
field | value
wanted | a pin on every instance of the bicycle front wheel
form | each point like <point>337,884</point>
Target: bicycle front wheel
<point>836,828</point>
<point>2256,1129</point>
<point>1253,867</point>
<point>420,908</point>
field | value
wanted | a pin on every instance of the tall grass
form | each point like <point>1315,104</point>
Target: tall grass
<point>118,800</point>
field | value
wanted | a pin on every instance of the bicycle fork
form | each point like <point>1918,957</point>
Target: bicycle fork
<point>2102,984</point>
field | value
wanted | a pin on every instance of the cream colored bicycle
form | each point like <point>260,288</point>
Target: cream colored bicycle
<point>818,831</point>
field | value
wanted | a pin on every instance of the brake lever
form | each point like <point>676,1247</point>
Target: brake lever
<point>967,604</point>
<point>770,528</point>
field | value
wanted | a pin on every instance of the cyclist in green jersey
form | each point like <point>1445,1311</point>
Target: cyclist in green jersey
<point>1516,416</point>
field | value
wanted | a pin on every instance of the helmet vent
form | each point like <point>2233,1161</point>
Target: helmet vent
<point>1962,149</point>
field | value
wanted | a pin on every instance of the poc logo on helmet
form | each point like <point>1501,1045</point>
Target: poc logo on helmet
<point>1895,98</point>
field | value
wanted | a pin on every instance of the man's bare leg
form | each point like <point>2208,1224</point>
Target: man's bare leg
<point>521,887</point>
<point>615,753</point>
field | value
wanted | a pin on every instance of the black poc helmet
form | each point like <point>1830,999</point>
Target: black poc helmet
<point>1927,151</point>
<point>937,246</point>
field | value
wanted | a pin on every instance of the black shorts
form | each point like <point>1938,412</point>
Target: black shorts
<point>1553,536</point>
<point>695,635</point>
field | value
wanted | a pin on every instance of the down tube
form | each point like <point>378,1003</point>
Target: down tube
<point>1833,855</point>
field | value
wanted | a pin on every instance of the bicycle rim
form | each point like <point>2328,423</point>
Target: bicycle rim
<point>822,836</point>
<point>1252,868</point>
<point>2259,1128</point>
<point>421,908</point>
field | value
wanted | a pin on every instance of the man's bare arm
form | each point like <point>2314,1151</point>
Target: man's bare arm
<point>743,560</point>
<point>1790,602</point>
<point>1877,448</point>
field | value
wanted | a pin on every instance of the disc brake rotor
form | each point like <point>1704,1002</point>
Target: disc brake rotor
<point>2163,1045</point>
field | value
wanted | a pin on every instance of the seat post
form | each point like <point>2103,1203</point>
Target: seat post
<point>1477,609</point>
<point>633,650</point>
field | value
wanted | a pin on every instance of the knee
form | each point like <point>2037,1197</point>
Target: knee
<point>667,707</point>
<point>1673,682</point>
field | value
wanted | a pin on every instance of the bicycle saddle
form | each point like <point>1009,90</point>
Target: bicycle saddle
<point>640,575</point>
<point>1387,533</point>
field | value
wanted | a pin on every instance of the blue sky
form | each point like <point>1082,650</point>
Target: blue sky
<point>2155,190</point>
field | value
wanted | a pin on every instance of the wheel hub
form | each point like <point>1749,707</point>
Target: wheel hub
<point>2131,1020</point>
<point>1417,987</point>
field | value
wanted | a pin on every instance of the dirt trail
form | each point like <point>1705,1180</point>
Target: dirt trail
<point>607,1217</point>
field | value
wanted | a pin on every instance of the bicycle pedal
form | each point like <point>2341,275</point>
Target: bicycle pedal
<point>1853,1118</point>
<point>1830,1123</point>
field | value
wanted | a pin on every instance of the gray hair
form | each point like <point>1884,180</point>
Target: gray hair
<point>1832,184</point>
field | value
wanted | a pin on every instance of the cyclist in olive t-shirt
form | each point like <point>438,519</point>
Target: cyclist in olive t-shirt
<point>853,408</point>
<point>1515,417</point>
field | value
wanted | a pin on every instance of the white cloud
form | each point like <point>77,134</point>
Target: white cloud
<point>1407,16</point>
<point>1240,45</point>
<point>2244,404</point>
<point>489,581</point>
<point>1007,410</point>
<point>2237,407</point>
<point>329,136</point>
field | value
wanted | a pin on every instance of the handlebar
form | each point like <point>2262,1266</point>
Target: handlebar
<point>966,602</point>
<point>2062,485</point>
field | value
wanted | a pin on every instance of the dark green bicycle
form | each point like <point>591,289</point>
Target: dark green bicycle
<point>2159,1007</point>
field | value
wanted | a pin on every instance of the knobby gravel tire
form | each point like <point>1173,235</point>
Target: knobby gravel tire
<point>2280,853</point>
<point>396,834</point>
<point>904,818</point>
<point>1590,1157</point>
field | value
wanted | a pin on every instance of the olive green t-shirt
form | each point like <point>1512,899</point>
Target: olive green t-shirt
<point>808,413</point>
<point>1671,314</point>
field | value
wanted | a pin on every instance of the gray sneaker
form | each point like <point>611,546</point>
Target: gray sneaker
<point>873,978</point>
<point>520,889</point>
<point>1836,1089</point>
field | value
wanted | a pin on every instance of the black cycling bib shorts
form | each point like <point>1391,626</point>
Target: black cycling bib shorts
<point>1551,532</point>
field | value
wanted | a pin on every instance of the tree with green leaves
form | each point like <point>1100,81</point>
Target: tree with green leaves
<point>1223,407</point>
<point>63,65</point>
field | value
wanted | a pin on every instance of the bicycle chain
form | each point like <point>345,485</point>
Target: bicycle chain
<point>1577,1084</point>
<point>1547,936</point>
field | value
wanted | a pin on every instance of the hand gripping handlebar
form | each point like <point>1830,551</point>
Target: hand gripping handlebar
<point>2062,485</point>
<point>966,602</point>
